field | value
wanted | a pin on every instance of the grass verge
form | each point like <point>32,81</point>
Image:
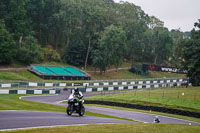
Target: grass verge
<point>150,112</point>
<point>187,99</point>
<point>125,74</point>
<point>12,102</point>
<point>25,75</point>
<point>116,128</point>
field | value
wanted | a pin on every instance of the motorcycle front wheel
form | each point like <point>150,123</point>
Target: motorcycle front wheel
<point>69,109</point>
<point>82,111</point>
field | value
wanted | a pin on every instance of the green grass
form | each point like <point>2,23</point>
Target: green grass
<point>150,112</point>
<point>190,101</point>
<point>23,75</point>
<point>12,102</point>
<point>125,74</point>
<point>116,128</point>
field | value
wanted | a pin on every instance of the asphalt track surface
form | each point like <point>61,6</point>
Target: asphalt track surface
<point>29,119</point>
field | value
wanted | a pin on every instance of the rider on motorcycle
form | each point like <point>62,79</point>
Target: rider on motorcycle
<point>78,94</point>
<point>156,119</point>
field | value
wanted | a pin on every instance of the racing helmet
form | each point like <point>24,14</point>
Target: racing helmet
<point>76,89</point>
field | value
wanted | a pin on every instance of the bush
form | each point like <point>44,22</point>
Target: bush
<point>29,51</point>
<point>137,69</point>
<point>49,55</point>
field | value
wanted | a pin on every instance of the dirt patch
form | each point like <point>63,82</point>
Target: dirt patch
<point>13,69</point>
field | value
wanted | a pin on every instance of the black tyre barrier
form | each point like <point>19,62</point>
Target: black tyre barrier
<point>143,107</point>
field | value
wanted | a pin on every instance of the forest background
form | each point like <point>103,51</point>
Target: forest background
<point>100,33</point>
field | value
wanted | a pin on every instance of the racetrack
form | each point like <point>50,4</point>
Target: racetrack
<point>30,119</point>
<point>27,119</point>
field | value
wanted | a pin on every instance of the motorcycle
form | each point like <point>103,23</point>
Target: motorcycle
<point>75,105</point>
<point>156,120</point>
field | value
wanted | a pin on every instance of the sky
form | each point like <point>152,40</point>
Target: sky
<point>174,13</point>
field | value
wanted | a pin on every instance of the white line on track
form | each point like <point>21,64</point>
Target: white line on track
<point>38,95</point>
<point>61,101</point>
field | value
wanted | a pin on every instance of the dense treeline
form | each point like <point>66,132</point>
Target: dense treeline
<point>191,55</point>
<point>101,33</point>
<point>73,30</point>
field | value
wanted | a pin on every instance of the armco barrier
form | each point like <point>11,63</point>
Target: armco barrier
<point>29,91</point>
<point>168,81</point>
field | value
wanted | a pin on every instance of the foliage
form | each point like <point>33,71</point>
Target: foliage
<point>29,51</point>
<point>75,52</point>
<point>7,45</point>
<point>137,69</point>
<point>14,14</point>
<point>161,46</point>
<point>83,20</point>
<point>177,50</point>
<point>112,46</point>
<point>74,29</point>
<point>191,55</point>
<point>134,22</point>
<point>41,13</point>
<point>49,55</point>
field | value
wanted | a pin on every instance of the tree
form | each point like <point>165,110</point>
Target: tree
<point>191,55</point>
<point>74,29</point>
<point>177,50</point>
<point>98,59</point>
<point>134,22</point>
<point>162,45</point>
<point>94,19</point>
<point>42,14</point>
<point>14,15</point>
<point>111,50</point>
<point>7,45</point>
<point>29,51</point>
<point>83,21</point>
<point>155,22</point>
<point>75,53</point>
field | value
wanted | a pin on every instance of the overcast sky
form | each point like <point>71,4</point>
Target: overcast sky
<point>175,13</point>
